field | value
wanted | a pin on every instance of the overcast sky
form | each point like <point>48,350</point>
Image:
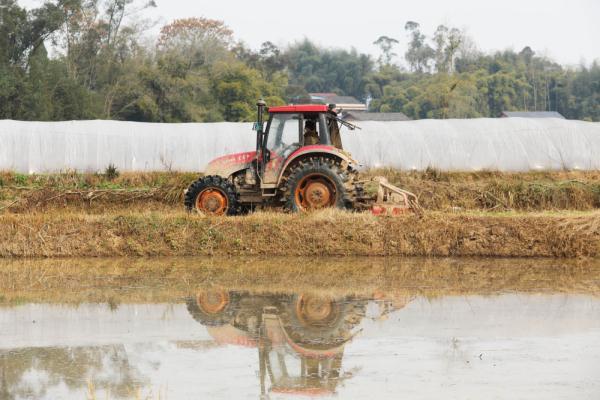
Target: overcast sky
<point>567,31</point>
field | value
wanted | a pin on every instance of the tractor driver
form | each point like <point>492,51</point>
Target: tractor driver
<point>310,132</point>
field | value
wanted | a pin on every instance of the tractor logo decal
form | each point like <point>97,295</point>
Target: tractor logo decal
<point>234,159</point>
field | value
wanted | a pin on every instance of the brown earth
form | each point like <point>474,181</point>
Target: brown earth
<point>327,233</point>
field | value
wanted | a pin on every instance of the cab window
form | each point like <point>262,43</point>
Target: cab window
<point>311,133</point>
<point>284,134</point>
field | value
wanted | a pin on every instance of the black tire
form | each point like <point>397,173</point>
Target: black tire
<point>226,188</point>
<point>331,170</point>
<point>220,318</point>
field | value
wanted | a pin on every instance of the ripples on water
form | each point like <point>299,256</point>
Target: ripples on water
<point>504,340</point>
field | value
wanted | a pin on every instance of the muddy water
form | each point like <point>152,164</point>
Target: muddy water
<point>505,335</point>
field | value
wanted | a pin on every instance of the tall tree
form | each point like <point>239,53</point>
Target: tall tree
<point>199,41</point>
<point>386,44</point>
<point>80,59</point>
<point>419,53</point>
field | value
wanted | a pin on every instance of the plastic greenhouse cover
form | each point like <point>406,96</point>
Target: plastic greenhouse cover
<point>504,144</point>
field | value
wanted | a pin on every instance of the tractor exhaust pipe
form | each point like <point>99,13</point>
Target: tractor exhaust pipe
<point>261,105</point>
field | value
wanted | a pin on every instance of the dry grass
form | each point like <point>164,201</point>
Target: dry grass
<point>488,190</point>
<point>327,233</point>
<point>77,180</point>
<point>92,192</point>
<point>140,214</point>
<point>443,191</point>
<point>115,281</point>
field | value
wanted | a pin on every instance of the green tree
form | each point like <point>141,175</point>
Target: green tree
<point>447,43</point>
<point>386,44</point>
<point>81,59</point>
<point>323,70</point>
<point>419,53</point>
<point>238,87</point>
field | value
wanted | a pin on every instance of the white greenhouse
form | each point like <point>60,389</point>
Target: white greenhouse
<point>506,144</point>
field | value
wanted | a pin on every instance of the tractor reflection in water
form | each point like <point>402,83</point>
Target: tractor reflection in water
<point>300,338</point>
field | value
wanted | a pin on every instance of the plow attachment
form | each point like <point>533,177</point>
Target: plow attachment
<point>390,200</point>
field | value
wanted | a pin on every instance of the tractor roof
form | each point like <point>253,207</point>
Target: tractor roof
<point>299,108</point>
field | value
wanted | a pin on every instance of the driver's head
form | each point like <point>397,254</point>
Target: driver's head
<point>311,125</point>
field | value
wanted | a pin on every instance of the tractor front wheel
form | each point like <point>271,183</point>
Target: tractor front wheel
<point>212,195</point>
<point>316,183</point>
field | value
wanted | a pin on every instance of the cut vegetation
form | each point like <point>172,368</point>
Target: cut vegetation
<point>547,214</point>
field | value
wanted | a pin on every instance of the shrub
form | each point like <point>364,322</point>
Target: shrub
<point>111,172</point>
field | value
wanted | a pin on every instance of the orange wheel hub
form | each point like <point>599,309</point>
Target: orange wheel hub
<point>212,201</point>
<point>212,302</point>
<point>315,192</point>
<point>315,310</point>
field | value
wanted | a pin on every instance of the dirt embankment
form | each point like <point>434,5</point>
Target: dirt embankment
<point>547,214</point>
<point>326,233</point>
<point>438,191</point>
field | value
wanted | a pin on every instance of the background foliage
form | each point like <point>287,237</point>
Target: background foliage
<point>87,59</point>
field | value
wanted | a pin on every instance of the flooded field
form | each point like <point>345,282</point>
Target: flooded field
<point>284,328</point>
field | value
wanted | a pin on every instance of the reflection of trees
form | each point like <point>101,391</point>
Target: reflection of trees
<point>107,367</point>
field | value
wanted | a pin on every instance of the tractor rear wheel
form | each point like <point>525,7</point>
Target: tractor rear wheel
<point>315,183</point>
<point>321,322</point>
<point>212,195</point>
<point>213,308</point>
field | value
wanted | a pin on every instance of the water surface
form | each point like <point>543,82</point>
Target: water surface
<point>475,329</point>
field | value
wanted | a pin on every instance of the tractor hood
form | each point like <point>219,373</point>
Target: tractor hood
<point>227,165</point>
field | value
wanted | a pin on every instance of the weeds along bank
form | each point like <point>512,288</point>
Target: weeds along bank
<point>325,233</point>
<point>437,191</point>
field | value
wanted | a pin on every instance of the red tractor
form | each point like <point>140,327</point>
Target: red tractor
<point>300,337</point>
<point>298,164</point>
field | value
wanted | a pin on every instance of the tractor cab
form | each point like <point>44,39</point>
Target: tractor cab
<point>291,130</point>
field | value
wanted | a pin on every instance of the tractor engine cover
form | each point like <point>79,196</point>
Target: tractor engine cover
<point>227,165</point>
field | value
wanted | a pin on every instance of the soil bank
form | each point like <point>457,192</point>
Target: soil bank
<point>327,233</point>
